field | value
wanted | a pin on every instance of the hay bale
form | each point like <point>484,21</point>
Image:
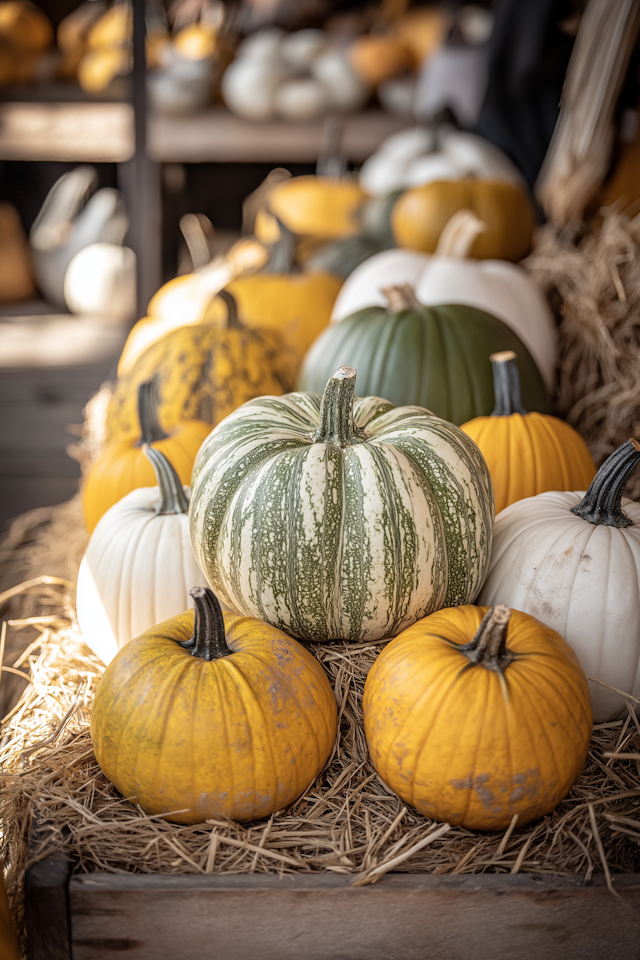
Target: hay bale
<point>593,281</point>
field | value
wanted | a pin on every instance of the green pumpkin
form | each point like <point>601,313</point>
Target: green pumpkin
<point>332,519</point>
<point>433,357</point>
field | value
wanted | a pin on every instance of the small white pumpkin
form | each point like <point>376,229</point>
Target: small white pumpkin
<point>344,87</point>
<point>412,158</point>
<point>139,566</point>
<point>573,561</point>
<point>299,49</point>
<point>301,99</point>
<point>249,86</point>
<point>101,281</point>
<point>451,276</point>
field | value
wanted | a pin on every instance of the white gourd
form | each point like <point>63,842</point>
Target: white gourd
<point>345,89</point>
<point>579,574</point>
<point>451,276</point>
<point>301,99</point>
<point>138,567</point>
<point>410,161</point>
<point>101,281</point>
<point>249,86</point>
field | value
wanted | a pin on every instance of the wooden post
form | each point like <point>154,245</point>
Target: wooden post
<point>46,895</point>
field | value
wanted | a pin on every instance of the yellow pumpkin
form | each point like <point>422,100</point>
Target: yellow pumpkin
<point>123,466</point>
<point>213,715</point>
<point>203,372</point>
<point>25,26</point>
<point>185,299</point>
<point>423,30</point>
<point>475,714</point>
<point>324,207</point>
<point>527,453</point>
<point>379,58</point>
<point>420,215</point>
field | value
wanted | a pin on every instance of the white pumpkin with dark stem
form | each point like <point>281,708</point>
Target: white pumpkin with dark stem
<point>333,518</point>
<point>573,561</point>
<point>451,276</point>
<point>139,566</point>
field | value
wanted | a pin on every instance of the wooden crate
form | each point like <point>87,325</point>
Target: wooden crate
<point>322,917</point>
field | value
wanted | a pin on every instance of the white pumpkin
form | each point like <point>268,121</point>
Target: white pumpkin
<point>299,49</point>
<point>414,157</point>
<point>101,281</point>
<point>249,86</point>
<point>450,276</point>
<point>301,99</point>
<point>139,566</point>
<point>579,574</point>
<point>345,89</point>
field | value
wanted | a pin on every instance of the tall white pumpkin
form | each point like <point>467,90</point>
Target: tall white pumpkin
<point>139,566</point>
<point>452,276</point>
<point>333,519</point>
<point>573,561</point>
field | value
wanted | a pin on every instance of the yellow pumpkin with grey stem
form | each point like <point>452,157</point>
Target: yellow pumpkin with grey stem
<point>213,714</point>
<point>476,714</point>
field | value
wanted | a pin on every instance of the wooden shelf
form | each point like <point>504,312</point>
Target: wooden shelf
<point>104,132</point>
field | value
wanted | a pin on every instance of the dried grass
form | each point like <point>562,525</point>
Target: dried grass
<point>347,822</point>
<point>593,280</point>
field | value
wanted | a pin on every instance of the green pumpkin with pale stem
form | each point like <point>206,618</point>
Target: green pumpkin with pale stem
<point>435,357</point>
<point>333,518</point>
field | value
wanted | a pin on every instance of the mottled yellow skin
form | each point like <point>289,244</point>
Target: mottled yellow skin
<point>123,467</point>
<point>531,454</point>
<point>203,372</point>
<point>466,746</point>
<point>324,207</point>
<point>238,737</point>
<point>421,214</point>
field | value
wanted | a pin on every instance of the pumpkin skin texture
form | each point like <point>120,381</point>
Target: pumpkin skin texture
<point>580,577</point>
<point>138,567</point>
<point>123,466</point>
<point>239,735</point>
<point>433,357</point>
<point>421,214</point>
<point>527,453</point>
<point>333,519</point>
<point>203,372</point>
<point>474,745</point>
<point>323,207</point>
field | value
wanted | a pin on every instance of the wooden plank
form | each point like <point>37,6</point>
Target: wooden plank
<point>218,135</point>
<point>90,132</point>
<point>322,917</point>
<point>47,909</point>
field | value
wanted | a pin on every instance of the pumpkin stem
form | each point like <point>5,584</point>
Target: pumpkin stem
<point>401,297</point>
<point>488,648</point>
<point>602,501</point>
<point>148,414</point>
<point>233,323</point>
<point>506,384</point>
<point>173,499</point>
<point>336,411</point>
<point>459,235</point>
<point>281,252</point>
<point>208,641</point>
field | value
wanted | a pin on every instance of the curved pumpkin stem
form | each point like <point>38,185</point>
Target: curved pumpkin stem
<point>281,252</point>
<point>233,323</point>
<point>506,384</point>
<point>601,503</point>
<point>488,648</point>
<point>336,411</point>
<point>173,499</point>
<point>208,641</point>
<point>459,235</point>
<point>148,414</point>
<point>401,296</point>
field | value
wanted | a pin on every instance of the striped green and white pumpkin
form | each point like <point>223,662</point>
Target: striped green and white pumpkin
<point>330,518</point>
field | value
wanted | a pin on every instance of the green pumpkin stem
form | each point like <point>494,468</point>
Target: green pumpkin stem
<point>401,296</point>
<point>336,411</point>
<point>281,253</point>
<point>506,384</point>
<point>148,414</point>
<point>173,499</point>
<point>233,322</point>
<point>208,641</point>
<point>602,501</point>
<point>488,648</point>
